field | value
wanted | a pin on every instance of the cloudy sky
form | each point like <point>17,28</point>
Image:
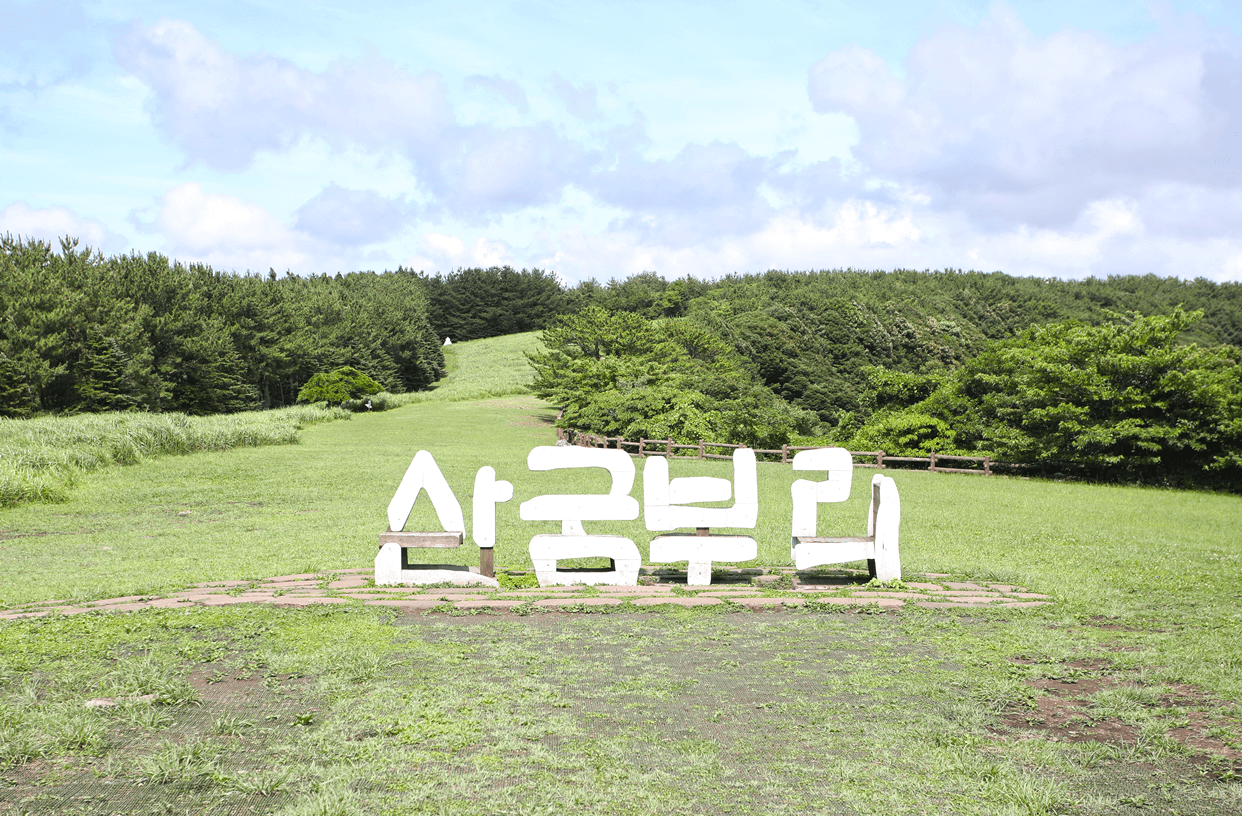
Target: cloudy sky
<point>601,139</point>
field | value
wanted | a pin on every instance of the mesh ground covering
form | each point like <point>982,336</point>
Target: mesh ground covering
<point>620,713</point>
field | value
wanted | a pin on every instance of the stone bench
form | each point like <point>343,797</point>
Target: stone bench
<point>392,562</point>
<point>879,548</point>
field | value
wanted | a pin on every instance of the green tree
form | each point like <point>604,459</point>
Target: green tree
<point>1124,400</point>
<point>15,396</point>
<point>618,374</point>
<point>103,377</point>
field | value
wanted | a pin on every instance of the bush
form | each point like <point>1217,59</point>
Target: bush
<point>907,433</point>
<point>616,374</point>
<point>335,387</point>
<point>1125,400</point>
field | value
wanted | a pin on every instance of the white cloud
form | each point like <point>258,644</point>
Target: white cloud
<point>1013,129</point>
<point>443,253</point>
<point>229,233</point>
<point>505,89</point>
<point>513,168</point>
<point>703,193</point>
<point>581,100</point>
<point>222,109</point>
<point>1108,239</point>
<point>53,223</point>
<point>352,217</point>
<point>992,148</point>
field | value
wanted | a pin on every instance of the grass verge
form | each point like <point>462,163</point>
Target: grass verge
<point>41,459</point>
<point>1080,707</point>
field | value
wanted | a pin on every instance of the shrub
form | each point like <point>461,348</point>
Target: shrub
<point>337,386</point>
<point>907,433</point>
<point>1123,400</point>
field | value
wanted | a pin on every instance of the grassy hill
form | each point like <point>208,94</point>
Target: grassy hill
<point>478,369</point>
<point>923,711</point>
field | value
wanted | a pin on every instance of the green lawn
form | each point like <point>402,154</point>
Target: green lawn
<point>492,367</point>
<point>348,710</point>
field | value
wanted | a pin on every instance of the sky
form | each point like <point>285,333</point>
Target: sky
<point>1048,138</point>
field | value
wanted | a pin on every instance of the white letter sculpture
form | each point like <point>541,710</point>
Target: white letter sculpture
<point>878,548</point>
<point>391,564</point>
<point>665,509</point>
<point>488,492</point>
<point>572,510</point>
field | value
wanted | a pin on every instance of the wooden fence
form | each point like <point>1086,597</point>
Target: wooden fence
<point>872,459</point>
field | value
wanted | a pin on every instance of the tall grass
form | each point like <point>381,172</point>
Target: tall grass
<point>481,369</point>
<point>41,459</point>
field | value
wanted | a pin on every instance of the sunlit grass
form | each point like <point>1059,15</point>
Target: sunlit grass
<point>705,711</point>
<point>40,459</point>
<point>479,369</point>
<point>689,711</point>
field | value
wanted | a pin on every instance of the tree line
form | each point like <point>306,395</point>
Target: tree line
<point>83,333</point>
<point>896,360</point>
<point>1064,375</point>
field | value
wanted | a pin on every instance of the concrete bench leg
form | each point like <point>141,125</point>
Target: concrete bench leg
<point>391,571</point>
<point>546,550</point>
<point>886,524</point>
<point>388,565</point>
<point>700,551</point>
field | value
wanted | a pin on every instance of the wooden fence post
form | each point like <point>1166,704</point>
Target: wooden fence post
<point>785,454</point>
<point>668,448</point>
<point>879,460</point>
<point>702,452</point>
<point>642,444</point>
<point>932,466</point>
<point>987,466</point>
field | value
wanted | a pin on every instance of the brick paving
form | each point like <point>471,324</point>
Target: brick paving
<point>754,589</point>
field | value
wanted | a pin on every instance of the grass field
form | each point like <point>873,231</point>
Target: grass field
<point>493,367</point>
<point>41,459</point>
<point>348,710</point>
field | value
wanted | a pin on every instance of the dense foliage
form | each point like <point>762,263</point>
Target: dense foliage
<point>80,332</point>
<point>471,304</point>
<point>813,336</point>
<point>335,387</point>
<point>1125,399</point>
<point>618,374</point>
<point>947,362</point>
<point>903,361</point>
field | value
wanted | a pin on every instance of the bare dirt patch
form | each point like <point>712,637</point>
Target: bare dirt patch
<point>1065,710</point>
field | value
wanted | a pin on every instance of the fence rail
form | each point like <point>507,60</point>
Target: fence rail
<point>878,459</point>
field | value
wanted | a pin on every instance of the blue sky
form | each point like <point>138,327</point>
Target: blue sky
<point>594,139</point>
